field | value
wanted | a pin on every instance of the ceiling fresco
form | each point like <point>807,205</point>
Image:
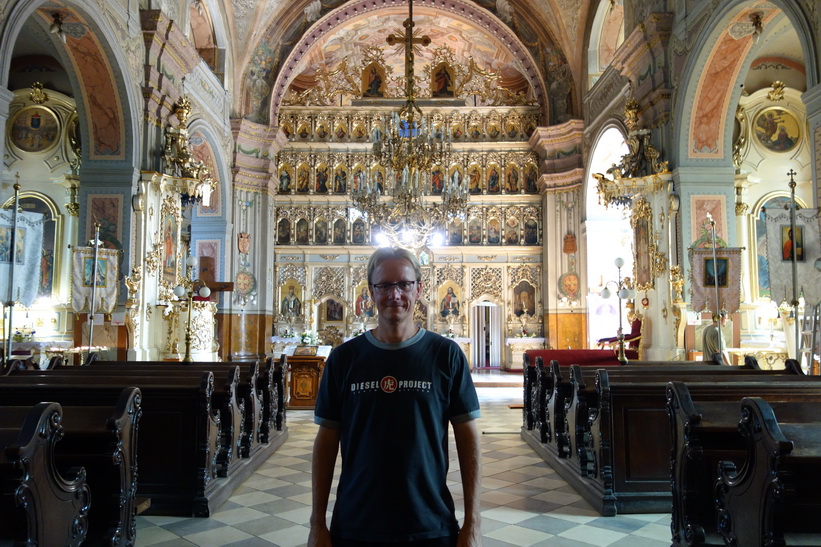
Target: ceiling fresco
<point>464,39</point>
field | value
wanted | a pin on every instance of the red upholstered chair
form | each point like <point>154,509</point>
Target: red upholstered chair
<point>632,340</point>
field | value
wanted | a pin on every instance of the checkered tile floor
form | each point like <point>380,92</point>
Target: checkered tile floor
<point>524,502</point>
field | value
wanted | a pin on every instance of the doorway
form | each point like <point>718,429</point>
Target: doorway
<point>486,336</point>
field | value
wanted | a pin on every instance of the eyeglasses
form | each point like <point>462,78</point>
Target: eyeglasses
<point>403,286</point>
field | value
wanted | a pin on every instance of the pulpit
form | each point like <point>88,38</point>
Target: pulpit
<point>304,373</point>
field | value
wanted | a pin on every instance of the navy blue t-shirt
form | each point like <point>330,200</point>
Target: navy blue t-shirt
<point>392,404</point>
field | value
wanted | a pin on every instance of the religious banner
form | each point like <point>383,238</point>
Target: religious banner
<point>785,242</point>
<point>106,282</point>
<point>28,256</point>
<point>705,272</point>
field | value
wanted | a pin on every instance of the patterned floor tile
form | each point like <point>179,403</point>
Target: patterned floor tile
<point>524,502</point>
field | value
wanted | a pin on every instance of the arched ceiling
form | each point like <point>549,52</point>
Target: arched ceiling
<point>541,40</point>
<point>466,39</point>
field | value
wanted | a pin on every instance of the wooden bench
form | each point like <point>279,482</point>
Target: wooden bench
<point>178,435</point>
<point>705,432</point>
<point>226,398</point>
<point>38,504</point>
<point>631,466</point>
<point>773,499</point>
<point>599,438</point>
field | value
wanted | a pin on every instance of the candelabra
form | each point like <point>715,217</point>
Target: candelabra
<point>188,288</point>
<point>624,290</point>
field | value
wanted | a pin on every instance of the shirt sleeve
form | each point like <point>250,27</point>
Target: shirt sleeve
<point>464,403</point>
<point>328,405</point>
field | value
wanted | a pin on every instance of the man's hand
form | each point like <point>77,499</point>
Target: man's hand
<point>470,535</point>
<point>319,536</point>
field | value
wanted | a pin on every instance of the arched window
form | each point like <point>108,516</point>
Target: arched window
<point>608,236</point>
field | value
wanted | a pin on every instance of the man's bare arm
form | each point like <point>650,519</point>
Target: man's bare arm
<point>469,451</point>
<point>326,448</point>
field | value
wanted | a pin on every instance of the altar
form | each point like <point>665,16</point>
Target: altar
<point>516,347</point>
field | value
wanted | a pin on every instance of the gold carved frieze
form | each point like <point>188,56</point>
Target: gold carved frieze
<point>486,281</point>
<point>450,272</point>
<point>449,258</point>
<point>291,271</point>
<point>329,281</point>
<point>486,258</point>
<point>530,274</point>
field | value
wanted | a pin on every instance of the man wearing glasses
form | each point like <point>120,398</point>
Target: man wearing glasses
<point>386,399</point>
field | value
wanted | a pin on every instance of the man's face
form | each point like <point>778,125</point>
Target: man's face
<point>395,306</point>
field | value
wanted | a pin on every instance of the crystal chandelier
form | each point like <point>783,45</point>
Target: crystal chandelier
<point>408,148</point>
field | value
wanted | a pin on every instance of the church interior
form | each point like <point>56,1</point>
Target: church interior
<point>206,179</point>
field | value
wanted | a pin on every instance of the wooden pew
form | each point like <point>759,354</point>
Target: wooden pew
<point>630,434</point>
<point>226,398</point>
<point>773,499</point>
<point>258,391</point>
<point>705,432</point>
<point>38,504</point>
<point>594,446</point>
<point>178,439</point>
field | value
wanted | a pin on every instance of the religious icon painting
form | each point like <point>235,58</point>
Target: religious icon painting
<point>531,232</point>
<point>340,179</point>
<point>494,185</point>
<point>475,232</point>
<point>512,179</point>
<point>358,179</point>
<point>358,232</point>
<point>449,300</point>
<point>531,179</point>
<point>283,232</point>
<point>524,298</point>
<point>340,132</point>
<point>438,131</point>
<point>475,131</point>
<point>792,243</point>
<point>34,129</point>
<point>322,179</point>
<point>334,311</point>
<point>474,179</point>
<point>457,132</point>
<point>511,130</point>
<point>378,178</point>
<point>303,176</point>
<point>493,131</point>
<point>777,130</point>
<point>286,130</point>
<point>456,176</point>
<point>437,180</point>
<point>373,81</point>
<point>339,232</point>
<point>321,232</point>
<point>442,82</point>
<point>363,303</point>
<point>511,231</point>
<point>710,272</point>
<point>302,231</point>
<point>304,131</point>
<point>170,235</point>
<point>494,231</point>
<point>285,178</point>
<point>455,232</point>
<point>322,131</point>
<point>359,132</point>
